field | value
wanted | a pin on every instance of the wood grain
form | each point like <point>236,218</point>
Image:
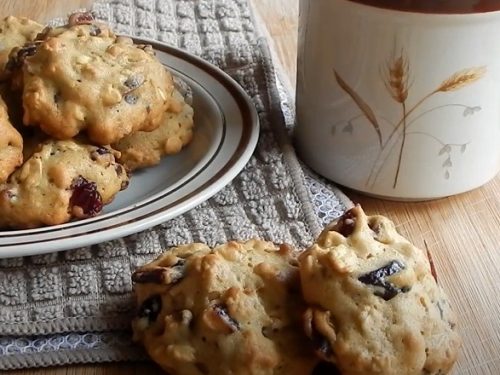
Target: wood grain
<point>279,19</point>
<point>41,10</point>
<point>462,232</point>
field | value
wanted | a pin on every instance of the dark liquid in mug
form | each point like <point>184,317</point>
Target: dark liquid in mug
<point>436,6</point>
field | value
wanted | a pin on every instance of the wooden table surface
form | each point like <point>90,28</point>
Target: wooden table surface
<point>463,232</point>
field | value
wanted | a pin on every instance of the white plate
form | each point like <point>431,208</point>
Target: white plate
<point>226,133</point>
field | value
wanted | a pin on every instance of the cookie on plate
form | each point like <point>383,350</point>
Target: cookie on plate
<point>233,309</point>
<point>375,305</point>
<point>144,149</point>
<point>11,145</point>
<point>60,181</point>
<point>32,137</point>
<point>14,104</point>
<point>83,78</point>
<point>15,32</point>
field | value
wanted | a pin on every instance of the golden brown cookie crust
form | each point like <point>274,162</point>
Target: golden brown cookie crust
<point>375,305</point>
<point>84,78</point>
<point>11,145</point>
<point>233,309</point>
<point>14,104</point>
<point>145,149</point>
<point>62,180</point>
<point>15,32</point>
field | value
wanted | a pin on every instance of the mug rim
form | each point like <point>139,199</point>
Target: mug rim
<point>429,14</point>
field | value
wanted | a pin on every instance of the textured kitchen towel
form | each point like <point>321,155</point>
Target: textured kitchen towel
<point>89,289</point>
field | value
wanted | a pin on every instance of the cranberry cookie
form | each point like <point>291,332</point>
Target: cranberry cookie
<point>11,145</point>
<point>13,102</point>
<point>60,181</point>
<point>234,309</point>
<point>82,77</point>
<point>144,149</point>
<point>375,305</point>
<point>15,32</point>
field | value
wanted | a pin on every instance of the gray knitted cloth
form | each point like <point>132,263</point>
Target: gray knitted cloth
<point>75,306</point>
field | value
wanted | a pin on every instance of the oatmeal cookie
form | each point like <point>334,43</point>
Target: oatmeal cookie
<point>60,181</point>
<point>14,104</point>
<point>82,77</point>
<point>234,309</point>
<point>375,305</point>
<point>32,137</point>
<point>11,145</point>
<point>144,149</point>
<point>15,32</point>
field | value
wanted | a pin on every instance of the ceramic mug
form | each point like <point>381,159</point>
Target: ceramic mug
<point>401,103</point>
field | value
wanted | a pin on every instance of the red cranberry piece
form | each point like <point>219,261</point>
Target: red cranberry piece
<point>81,18</point>
<point>16,59</point>
<point>86,197</point>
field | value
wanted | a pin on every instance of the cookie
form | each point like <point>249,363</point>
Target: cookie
<point>83,78</point>
<point>14,104</point>
<point>15,32</point>
<point>11,145</point>
<point>60,181</point>
<point>32,137</point>
<point>375,305</point>
<point>234,309</point>
<point>144,149</point>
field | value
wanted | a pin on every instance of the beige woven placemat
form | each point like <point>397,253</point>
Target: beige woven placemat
<point>89,289</point>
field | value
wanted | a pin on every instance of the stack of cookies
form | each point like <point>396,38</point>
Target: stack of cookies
<point>361,300</point>
<point>81,109</point>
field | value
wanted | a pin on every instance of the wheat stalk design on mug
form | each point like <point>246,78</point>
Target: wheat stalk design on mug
<point>396,78</point>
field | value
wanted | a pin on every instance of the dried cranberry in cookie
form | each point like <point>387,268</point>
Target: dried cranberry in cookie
<point>14,32</point>
<point>60,181</point>
<point>83,78</point>
<point>375,307</point>
<point>85,201</point>
<point>233,309</point>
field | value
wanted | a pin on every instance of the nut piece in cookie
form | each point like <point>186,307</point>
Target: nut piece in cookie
<point>375,305</point>
<point>83,78</point>
<point>11,145</point>
<point>234,309</point>
<point>144,149</point>
<point>60,181</point>
<point>14,32</point>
